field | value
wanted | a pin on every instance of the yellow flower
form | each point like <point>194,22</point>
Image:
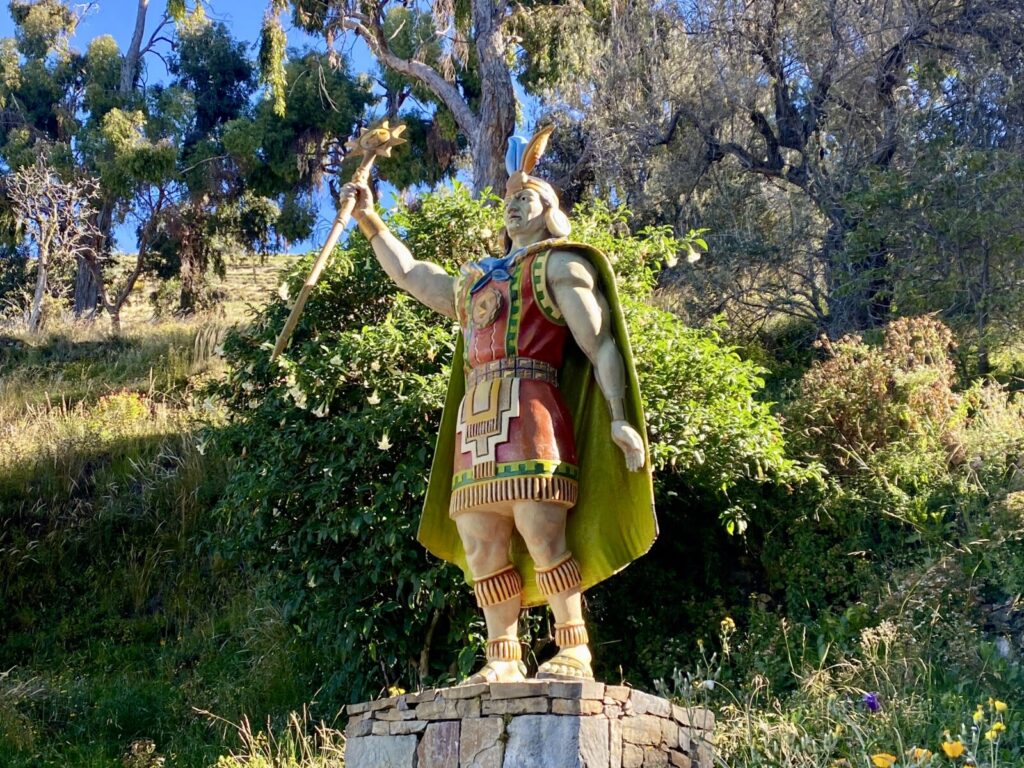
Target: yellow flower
<point>999,727</point>
<point>979,715</point>
<point>394,690</point>
<point>1000,706</point>
<point>883,760</point>
<point>728,626</point>
<point>919,754</point>
<point>991,735</point>
<point>953,749</point>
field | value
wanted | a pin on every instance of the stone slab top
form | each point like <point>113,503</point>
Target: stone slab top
<point>531,696</point>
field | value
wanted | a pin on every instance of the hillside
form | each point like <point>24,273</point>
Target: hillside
<point>158,610</point>
<point>118,623</point>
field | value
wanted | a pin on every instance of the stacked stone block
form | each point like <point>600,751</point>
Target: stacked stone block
<point>535,724</point>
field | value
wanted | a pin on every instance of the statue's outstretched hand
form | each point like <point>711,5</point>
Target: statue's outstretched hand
<point>363,197</point>
<point>632,445</point>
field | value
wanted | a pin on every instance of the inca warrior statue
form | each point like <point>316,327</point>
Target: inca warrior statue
<point>541,481</point>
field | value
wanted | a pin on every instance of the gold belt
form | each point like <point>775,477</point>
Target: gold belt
<point>513,368</point>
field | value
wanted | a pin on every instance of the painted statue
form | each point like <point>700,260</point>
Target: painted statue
<point>541,480</point>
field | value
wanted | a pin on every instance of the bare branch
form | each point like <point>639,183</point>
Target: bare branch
<point>372,31</point>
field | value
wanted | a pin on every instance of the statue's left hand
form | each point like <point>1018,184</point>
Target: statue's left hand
<point>632,445</point>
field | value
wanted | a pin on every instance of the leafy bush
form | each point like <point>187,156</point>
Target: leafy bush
<point>335,441</point>
<point>911,460</point>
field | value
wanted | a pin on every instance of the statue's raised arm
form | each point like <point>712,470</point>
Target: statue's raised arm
<point>541,481</point>
<point>424,280</point>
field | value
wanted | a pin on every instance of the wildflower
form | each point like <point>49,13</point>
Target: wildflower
<point>999,727</point>
<point>999,706</point>
<point>384,443</point>
<point>953,749</point>
<point>870,700</point>
<point>728,626</point>
<point>394,690</point>
<point>883,760</point>
<point>979,715</point>
<point>991,735</point>
<point>919,754</point>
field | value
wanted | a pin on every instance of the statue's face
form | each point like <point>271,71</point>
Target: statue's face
<point>524,213</point>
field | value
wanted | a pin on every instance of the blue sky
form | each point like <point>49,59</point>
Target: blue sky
<point>243,17</point>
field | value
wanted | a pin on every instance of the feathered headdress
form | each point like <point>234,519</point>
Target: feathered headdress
<point>520,159</point>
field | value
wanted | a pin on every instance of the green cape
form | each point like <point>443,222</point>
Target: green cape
<point>613,522</point>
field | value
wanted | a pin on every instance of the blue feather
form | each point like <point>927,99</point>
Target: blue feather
<point>514,155</point>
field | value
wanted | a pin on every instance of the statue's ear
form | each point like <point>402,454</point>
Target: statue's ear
<point>557,223</point>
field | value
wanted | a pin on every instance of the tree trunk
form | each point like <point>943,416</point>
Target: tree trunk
<point>984,363</point>
<point>191,279</point>
<point>498,100</point>
<point>35,317</point>
<point>858,289</point>
<point>130,64</point>
<point>86,290</point>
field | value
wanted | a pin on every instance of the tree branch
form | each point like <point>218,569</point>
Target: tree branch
<point>373,33</point>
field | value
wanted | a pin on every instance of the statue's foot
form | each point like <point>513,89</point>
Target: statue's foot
<point>571,663</point>
<point>498,672</point>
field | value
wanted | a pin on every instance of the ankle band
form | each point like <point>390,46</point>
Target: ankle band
<point>498,587</point>
<point>504,649</point>
<point>571,633</point>
<point>562,576</point>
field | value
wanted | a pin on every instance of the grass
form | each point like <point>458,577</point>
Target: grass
<point>127,639</point>
<point>116,624</point>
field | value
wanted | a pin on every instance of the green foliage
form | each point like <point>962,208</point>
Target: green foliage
<point>336,439</point>
<point>911,461</point>
<point>43,26</point>
<point>215,69</point>
<point>103,72</point>
<point>271,62</point>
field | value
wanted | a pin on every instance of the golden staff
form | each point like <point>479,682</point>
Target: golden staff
<point>371,143</point>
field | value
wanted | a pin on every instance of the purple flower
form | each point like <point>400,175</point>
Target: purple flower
<point>870,700</point>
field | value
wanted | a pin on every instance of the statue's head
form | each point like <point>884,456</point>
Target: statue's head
<point>531,204</point>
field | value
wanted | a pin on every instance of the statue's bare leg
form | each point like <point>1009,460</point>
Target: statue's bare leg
<point>542,526</point>
<point>498,587</point>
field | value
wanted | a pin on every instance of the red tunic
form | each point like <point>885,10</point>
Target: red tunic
<point>515,438</point>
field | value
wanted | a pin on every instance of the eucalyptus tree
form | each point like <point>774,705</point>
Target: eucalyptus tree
<point>54,102</point>
<point>450,57</point>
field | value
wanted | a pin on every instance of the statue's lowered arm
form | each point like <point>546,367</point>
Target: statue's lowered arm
<point>576,289</point>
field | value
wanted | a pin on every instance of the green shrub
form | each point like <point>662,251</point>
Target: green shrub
<point>911,460</point>
<point>335,442</point>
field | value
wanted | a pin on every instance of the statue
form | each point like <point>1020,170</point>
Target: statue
<point>541,480</point>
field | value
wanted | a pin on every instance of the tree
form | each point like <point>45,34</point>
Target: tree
<point>287,156</point>
<point>58,216</point>
<point>454,54</point>
<point>55,100</point>
<point>778,113</point>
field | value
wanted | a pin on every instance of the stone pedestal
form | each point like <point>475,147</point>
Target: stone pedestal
<point>536,724</point>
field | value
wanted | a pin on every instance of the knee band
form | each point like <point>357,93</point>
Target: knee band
<point>498,587</point>
<point>504,649</point>
<point>563,575</point>
<point>571,633</point>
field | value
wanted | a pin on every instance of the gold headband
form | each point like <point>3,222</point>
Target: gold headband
<point>519,181</point>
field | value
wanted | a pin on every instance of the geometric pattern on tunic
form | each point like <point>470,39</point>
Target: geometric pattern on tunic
<point>540,292</point>
<point>487,412</point>
<point>532,468</point>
